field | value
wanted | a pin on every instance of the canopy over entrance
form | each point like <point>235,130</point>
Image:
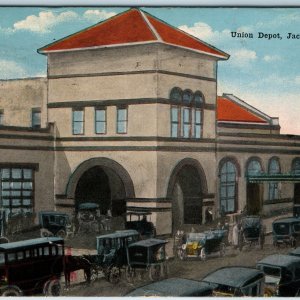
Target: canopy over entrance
<point>265,177</point>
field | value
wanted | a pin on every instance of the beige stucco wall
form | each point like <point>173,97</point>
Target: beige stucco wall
<point>141,166</point>
<point>18,97</point>
<point>25,147</point>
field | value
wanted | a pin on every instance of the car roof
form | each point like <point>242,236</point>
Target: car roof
<point>148,243</point>
<point>171,287</point>
<point>287,220</point>
<point>56,213</point>
<point>279,260</point>
<point>119,233</point>
<point>32,242</point>
<point>232,276</point>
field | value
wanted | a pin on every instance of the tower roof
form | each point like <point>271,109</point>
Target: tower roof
<point>131,27</point>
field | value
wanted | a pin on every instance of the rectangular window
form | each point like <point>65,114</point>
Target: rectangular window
<point>100,120</point>
<point>1,117</point>
<point>198,124</point>
<point>16,190</point>
<point>174,122</point>
<point>186,122</point>
<point>78,121</point>
<point>122,120</point>
<point>36,118</point>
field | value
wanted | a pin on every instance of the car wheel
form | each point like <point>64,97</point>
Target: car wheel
<point>52,288</point>
<point>203,254</point>
<point>11,292</point>
<point>61,233</point>
<point>114,275</point>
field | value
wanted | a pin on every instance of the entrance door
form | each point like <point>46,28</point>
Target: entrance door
<point>254,198</point>
<point>297,193</point>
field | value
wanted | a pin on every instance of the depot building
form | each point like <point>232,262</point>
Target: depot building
<point>128,117</point>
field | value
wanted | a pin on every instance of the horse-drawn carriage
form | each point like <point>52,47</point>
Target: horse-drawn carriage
<point>251,232</point>
<point>111,254</point>
<point>198,245</point>
<point>147,256</point>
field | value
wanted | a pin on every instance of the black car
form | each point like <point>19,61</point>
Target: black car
<point>282,274</point>
<point>173,287</point>
<point>236,282</point>
<point>140,222</point>
<point>31,267</point>
<point>54,223</point>
<point>286,231</point>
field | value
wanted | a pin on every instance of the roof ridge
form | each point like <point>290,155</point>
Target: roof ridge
<point>150,25</point>
<point>221,53</point>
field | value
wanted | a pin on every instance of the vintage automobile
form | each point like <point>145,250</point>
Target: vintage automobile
<point>286,231</point>
<point>251,232</point>
<point>236,282</point>
<point>200,244</point>
<point>111,254</point>
<point>139,221</point>
<point>173,287</point>
<point>54,223</point>
<point>31,267</point>
<point>282,274</point>
<point>147,256</point>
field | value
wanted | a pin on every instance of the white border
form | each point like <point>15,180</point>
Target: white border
<point>239,3</point>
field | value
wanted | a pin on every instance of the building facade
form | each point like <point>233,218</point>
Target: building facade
<point>130,119</point>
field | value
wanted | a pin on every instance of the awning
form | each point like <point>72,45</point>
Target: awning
<point>265,177</point>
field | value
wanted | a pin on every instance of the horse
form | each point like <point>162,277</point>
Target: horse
<point>75,263</point>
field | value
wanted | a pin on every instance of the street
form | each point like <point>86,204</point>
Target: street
<point>190,268</point>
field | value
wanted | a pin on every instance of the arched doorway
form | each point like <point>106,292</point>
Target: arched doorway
<point>254,190</point>
<point>187,186</point>
<point>102,181</point>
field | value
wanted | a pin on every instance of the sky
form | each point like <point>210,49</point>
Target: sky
<point>261,71</point>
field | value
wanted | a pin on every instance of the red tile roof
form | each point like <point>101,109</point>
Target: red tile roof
<point>132,26</point>
<point>230,111</point>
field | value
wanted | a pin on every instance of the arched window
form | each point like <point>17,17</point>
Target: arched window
<point>274,168</point>
<point>186,113</point>
<point>176,101</point>
<point>296,166</point>
<point>228,187</point>
<point>199,102</point>
<point>254,167</point>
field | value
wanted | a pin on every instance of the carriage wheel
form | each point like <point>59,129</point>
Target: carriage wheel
<point>114,275</point>
<point>155,272</point>
<point>261,242</point>
<point>62,234</point>
<point>130,274</point>
<point>203,254</point>
<point>182,254</point>
<point>241,242</point>
<point>222,250</point>
<point>165,270</point>
<point>52,288</point>
<point>11,292</point>
<point>94,273</point>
